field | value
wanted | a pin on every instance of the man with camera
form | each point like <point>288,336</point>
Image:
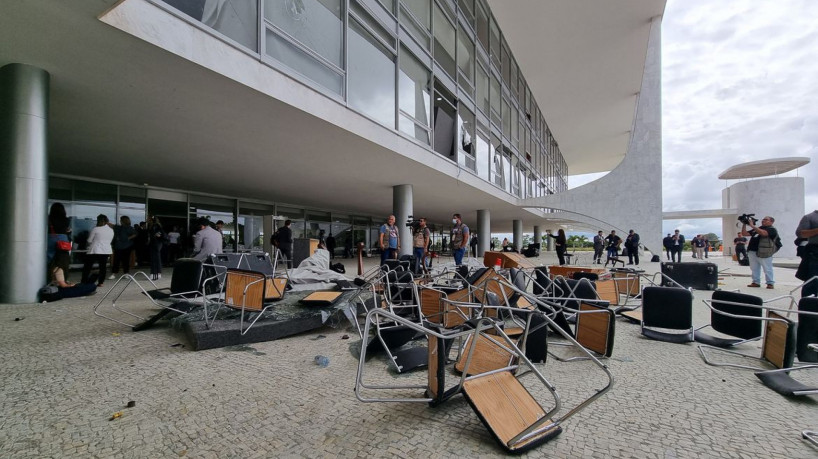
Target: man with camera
<point>761,247</point>
<point>420,242</point>
<point>808,229</point>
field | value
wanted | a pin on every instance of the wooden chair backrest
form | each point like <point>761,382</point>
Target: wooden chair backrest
<point>440,312</point>
<point>777,347</point>
<point>487,356</point>
<point>593,330</point>
<point>240,289</point>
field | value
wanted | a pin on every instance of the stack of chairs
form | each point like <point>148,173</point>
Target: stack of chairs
<point>251,288</point>
<point>187,283</point>
<point>495,373</point>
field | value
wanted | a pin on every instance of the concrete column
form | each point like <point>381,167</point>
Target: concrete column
<point>23,181</point>
<point>483,231</point>
<point>268,230</point>
<point>402,204</point>
<point>517,240</point>
<point>538,235</point>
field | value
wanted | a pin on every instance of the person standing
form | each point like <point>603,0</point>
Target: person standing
<point>667,243</point>
<point>59,229</point>
<point>330,242</point>
<point>741,247</point>
<point>698,246</point>
<point>99,250</point>
<point>389,240</point>
<point>420,244</point>
<point>677,243</point>
<point>473,245</point>
<point>460,238</point>
<point>632,244</point>
<point>284,239</point>
<point>758,259</point>
<point>599,245</point>
<point>808,268</point>
<point>174,244</point>
<point>157,242</point>
<point>559,244</point>
<point>124,234</point>
<point>613,241</point>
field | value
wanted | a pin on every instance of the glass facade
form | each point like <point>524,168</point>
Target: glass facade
<point>437,71</point>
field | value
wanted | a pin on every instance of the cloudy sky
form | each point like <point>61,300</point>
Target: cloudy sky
<point>740,83</point>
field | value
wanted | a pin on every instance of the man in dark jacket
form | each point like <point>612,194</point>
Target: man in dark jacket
<point>632,244</point>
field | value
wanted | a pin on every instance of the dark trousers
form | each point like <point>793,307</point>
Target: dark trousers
<point>667,252</point>
<point>77,290</point>
<point>102,260</point>
<point>676,253</point>
<point>122,258</point>
<point>633,254</point>
<point>741,252</point>
<point>156,259</point>
<point>561,255</point>
<point>598,254</point>
<point>287,252</point>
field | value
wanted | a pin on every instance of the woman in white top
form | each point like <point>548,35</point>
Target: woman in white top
<point>99,249</point>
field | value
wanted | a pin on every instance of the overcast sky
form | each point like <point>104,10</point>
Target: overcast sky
<point>740,83</point>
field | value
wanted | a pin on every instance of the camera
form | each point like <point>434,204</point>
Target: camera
<point>747,219</point>
<point>412,223</point>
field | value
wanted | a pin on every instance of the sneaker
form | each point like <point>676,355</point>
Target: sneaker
<point>770,286</point>
<point>753,285</point>
<point>111,277</point>
<point>158,276</point>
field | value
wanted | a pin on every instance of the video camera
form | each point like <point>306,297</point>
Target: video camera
<point>747,219</point>
<point>412,223</point>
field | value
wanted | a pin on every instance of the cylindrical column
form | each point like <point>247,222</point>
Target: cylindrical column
<point>517,226</point>
<point>23,181</point>
<point>483,231</point>
<point>402,203</point>
<point>538,236</point>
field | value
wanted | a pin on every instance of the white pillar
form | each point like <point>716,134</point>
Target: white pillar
<point>517,240</point>
<point>483,231</point>
<point>538,236</point>
<point>402,205</point>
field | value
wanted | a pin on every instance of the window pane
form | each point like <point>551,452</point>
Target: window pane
<point>316,24</point>
<point>483,27</point>
<point>465,55</point>
<point>371,76</point>
<point>482,157</point>
<point>285,52</point>
<point>238,21</point>
<point>421,10</point>
<point>496,100</point>
<point>422,35</point>
<point>465,122</point>
<point>482,90</point>
<point>414,86</point>
<point>444,42</point>
<point>506,119</point>
<point>444,122</point>
<point>408,126</point>
<point>506,57</point>
<point>512,82</point>
<point>494,52</point>
<point>467,8</point>
<point>389,5</point>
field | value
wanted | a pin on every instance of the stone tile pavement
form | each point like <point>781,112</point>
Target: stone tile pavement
<point>65,373</point>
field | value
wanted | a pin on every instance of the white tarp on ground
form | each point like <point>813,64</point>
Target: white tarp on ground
<point>314,274</point>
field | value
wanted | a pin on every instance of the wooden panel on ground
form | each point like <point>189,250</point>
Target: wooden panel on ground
<point>507,260</point>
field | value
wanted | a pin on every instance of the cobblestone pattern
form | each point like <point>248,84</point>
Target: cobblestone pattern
<point>66,372</point>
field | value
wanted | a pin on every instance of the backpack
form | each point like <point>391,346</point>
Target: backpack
<point>274,239</point>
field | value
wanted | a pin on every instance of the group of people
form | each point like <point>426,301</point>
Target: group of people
<point>611,244</point>
<point>389,241</point>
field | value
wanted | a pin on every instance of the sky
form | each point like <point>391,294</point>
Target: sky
<point>739,84</point>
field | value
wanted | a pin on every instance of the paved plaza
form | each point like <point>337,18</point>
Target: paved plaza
<point>67,372</point>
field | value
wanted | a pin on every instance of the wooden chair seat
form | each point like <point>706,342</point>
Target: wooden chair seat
<point>488,356</point>
<point>507,408</point>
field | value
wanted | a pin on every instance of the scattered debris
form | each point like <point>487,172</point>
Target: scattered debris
<point>115,334</point>
<point>244,348</point>
<point>317,338</point>
<point>130,404</point>
<point>116,415</point>
<point>177,345</point>
<point>17,319</point>
<point>322,361</point>
<point>345,337</point>
<point>183,453</point>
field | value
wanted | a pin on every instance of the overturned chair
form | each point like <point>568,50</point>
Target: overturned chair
<point>498,396</point>
<point>187,283</point>
<point>667,314</point>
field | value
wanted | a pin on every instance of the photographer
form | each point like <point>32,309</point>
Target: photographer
<point>420,243</point>
<point>808,268</point>
<point>760,259</point>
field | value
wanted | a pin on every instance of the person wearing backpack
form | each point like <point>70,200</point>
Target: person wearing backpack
<point>763,244</point>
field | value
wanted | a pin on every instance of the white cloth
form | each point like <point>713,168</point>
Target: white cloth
<point>99,240</point>
<point>314,270</point>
